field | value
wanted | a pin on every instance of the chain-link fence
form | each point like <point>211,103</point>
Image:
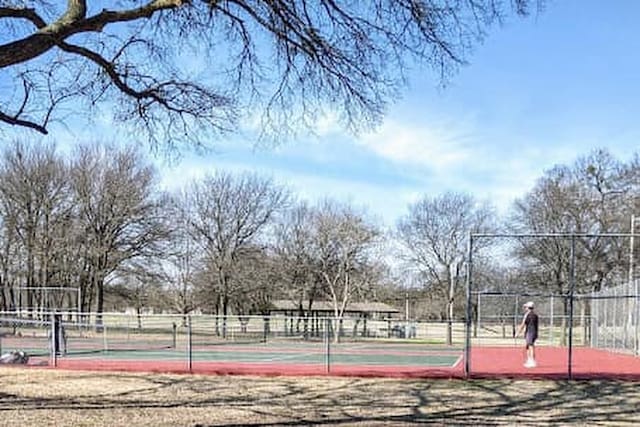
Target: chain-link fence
<point>615,314</point>
<point>192,340</point>
<point>570,322</point>
<point>499,315</point>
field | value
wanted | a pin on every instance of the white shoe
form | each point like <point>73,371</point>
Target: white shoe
<point>530,364</point>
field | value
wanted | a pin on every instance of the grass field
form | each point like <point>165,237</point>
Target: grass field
<point>44,397</point>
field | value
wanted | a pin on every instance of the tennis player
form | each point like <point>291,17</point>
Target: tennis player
<point>530,326</point>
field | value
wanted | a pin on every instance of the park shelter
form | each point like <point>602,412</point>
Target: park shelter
<point>356,313</point>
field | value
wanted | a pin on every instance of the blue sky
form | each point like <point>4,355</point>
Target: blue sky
<point>538,92</point>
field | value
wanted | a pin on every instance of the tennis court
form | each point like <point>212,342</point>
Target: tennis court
<point>498,362</point>
<point>379,359</point>
<point>160,345</point>
<point>272,358</point>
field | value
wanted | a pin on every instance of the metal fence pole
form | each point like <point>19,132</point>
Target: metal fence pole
<point>627,321</point>
<point>551,321</point>
<point>594,320</point>
<point>616,322</point>
<point>572,281</point>
<point>467,341</point>
<point>478,316</point>
<point>52,344</point>
<point>514,321</point>
<point>174,335</point>
<point>189,345</point>
<point>105,345</point>
<point>327,353</point>
<point>637,317</point>
<point>605,320</point>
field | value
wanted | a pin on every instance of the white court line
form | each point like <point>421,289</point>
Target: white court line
<point>458,361</point>
<point>283,357</point>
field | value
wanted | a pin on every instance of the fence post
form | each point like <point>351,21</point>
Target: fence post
<point>616,310</point>
<point>189,345</point>
<point>515,320</point>
<point>52,341</point>
<point>327,337</point>
<point>266,327</point>
<point>478,317</point>
<point>637,317</point>
<point>594,319</point>
<point>551,321</point>
<point>175,335</point>
<point>467,340</point>
<point>572,281</point>
<point>105,346</point>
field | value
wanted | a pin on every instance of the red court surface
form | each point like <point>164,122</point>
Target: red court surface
<point>486,362</point>
<point>587,363</point>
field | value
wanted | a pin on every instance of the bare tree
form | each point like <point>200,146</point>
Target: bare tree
<point>293,246</point>
<point>287,59</point>
<point>181,260</point>
<point>255,281</point>
<point>35,201</point>
<point>435,233</point>
<point>230,217</point>
<point>594,195</point>
<point>118,213</point>
<point>343,252</point>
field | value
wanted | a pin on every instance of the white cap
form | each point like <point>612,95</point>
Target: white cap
<point>528,304</point>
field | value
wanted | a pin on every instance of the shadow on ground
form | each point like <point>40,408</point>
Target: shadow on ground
<point>208,401</point>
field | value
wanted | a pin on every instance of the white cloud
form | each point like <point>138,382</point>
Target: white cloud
<point>439,147</point>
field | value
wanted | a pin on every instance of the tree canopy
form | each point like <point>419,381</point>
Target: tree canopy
<point>181,72</point>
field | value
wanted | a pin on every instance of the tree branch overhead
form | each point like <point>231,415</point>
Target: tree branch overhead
<point>286,61</point>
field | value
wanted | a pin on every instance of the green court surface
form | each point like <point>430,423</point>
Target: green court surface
<point>275,352</point>
<point>276,357</point>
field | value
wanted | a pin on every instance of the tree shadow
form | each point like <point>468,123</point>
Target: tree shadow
<point>293,401</point>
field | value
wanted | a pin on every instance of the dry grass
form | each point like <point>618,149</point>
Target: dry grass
<point>42,397</point>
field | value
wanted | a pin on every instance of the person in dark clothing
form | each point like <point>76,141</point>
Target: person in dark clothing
<point>530,327</point>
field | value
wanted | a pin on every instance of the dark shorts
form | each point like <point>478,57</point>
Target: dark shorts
<point>530,338</point>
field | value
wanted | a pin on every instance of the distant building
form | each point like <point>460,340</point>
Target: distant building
<point>355,321</point>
